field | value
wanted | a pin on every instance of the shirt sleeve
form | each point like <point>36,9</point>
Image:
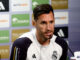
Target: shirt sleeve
<point>19,49</point>
<point>64,46</point>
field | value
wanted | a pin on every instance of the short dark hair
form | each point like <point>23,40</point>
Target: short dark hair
<point>41,9</point>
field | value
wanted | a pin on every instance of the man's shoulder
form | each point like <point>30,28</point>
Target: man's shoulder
<point>20,42</point>
<point>60,41</point>
<point>26,38</point>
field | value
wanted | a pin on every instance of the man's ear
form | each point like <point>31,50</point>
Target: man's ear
<point>34,23</point>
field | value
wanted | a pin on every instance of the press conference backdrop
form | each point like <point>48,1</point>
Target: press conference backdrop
<point>16,17</point>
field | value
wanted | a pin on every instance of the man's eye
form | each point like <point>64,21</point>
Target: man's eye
<point>43,22</point>
<point>51,21</point>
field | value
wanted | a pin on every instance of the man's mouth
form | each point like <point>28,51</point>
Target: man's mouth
<point>48,33</point>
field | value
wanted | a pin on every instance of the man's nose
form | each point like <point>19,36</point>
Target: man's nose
<point>48,26</point>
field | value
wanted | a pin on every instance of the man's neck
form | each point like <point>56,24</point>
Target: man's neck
<point>43,41</point>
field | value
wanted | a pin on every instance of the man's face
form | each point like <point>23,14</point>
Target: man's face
<point>45,26</point>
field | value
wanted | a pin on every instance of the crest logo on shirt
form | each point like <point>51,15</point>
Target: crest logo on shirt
<point>34,57</point>
<point>54,55</point>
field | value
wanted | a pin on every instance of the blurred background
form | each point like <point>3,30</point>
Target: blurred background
<point>16,17</point>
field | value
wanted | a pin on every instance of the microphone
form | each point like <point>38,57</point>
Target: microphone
<point>70,48</point>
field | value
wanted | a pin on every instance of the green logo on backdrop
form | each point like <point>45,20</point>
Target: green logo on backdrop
<point>37,2</point>
<point>20,20</point>
<point>4,36</point>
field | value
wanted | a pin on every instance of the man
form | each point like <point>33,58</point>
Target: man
<point>40,43</point>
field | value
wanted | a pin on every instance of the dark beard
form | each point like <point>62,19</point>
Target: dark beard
<point>45,39</point>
